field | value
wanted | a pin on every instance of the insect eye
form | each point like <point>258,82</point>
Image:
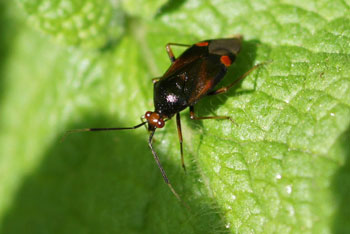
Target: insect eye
<point>148,114</point>
<point>160,123</point>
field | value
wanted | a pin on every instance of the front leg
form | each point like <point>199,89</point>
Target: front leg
<point>155,80</point>
<point>179,132</point>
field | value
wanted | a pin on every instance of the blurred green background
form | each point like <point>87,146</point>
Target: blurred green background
<point>282,168</point>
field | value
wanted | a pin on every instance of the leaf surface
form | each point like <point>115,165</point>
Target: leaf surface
<point>283,167</point>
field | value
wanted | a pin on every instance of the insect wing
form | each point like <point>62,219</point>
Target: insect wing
<point>187,57</point>
<point>203,77</point>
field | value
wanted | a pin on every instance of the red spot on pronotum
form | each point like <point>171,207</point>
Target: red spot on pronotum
<point>225,60</point>
<point>203,43</point>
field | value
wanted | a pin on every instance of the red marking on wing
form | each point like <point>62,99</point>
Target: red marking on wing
<point>225,60</point>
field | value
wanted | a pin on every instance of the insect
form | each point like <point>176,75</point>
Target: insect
<point>190,77</point>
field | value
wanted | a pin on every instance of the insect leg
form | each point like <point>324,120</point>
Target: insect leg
<point>165,177</point>
<point>142,118</point>
<point>155,80</point>
<point>170,51</point>
<point>226,88</point>
<point>194,117</point>
<point>179,132</point>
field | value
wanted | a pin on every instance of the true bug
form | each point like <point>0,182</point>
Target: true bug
<point>190,77</point>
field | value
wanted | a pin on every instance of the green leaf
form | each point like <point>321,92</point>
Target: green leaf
<point>89,24</point>
<point>282,167</point>
<point>142,9</point>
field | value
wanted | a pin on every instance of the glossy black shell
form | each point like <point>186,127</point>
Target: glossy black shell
<point>193,74</point>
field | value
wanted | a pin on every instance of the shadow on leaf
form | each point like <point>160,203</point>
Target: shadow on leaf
<point>7,32</point>
<point>341,188</point>
<point>108,182</point>
<point>244,62</point>
<point>170,6</point>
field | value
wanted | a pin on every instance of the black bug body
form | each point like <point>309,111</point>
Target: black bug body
<point>190,77</point>
<point>193,74</point>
